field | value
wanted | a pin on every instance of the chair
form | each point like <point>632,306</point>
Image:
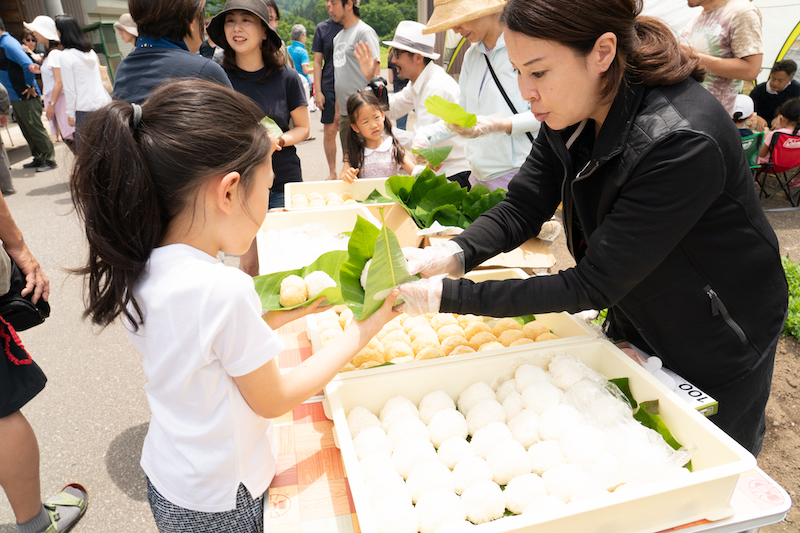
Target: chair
<point>750,145</point>
<point>784,160</point>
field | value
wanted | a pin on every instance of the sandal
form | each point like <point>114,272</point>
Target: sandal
<point>66,508</point>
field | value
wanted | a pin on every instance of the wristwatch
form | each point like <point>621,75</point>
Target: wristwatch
<point>51,103</point>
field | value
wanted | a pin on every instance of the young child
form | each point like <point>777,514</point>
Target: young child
<point>789,120</point>
<point>162,189</point>
<point>743,109</point>
<point>372,149</point>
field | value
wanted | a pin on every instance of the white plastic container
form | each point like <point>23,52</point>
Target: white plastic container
<point>705,494</point>
<point>360,189</point>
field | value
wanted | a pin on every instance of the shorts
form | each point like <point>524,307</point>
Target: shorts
<point>20,378</point>
<point>248,517</point>
<point>329,112</point>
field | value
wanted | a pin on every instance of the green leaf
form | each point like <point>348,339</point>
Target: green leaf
<point>522,320</point>
<point>272,127</point>
<point>624,387</point>
<point>450,112</point>
<point>649,416</point>
<point>398,188</point>
<point>268,286</point>
<point>435,156</point>
<point>376,198</point>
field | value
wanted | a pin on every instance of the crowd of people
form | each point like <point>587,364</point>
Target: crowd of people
<point>606,120</point>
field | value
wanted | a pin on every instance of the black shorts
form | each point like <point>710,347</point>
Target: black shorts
<point>20,378</point>
<point>330,107</point>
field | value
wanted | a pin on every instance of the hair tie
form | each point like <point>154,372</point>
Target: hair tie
<point>136,119</point>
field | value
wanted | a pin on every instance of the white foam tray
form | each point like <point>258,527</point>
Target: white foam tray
<point>705,494</point>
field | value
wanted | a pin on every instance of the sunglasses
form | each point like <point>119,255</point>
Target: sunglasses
<point>31,39</point>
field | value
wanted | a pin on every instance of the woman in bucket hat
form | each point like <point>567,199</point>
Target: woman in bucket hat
<point>55,105</point>
<point>659,207</point>
<point>127,28</point>
<point>255,65</point>
<point>505,134</point>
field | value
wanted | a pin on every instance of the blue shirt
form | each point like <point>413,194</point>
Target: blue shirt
<point>14,73</point>
<point>300,57</point>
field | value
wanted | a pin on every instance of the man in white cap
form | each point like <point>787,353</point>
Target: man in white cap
<point>414,59</point>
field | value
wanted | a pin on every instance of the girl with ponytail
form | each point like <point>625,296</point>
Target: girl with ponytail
<point>659,209</point>
<point>162,189</point>
<point>788,120</point>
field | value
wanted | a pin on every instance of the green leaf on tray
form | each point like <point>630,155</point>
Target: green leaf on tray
<point>376,198</point>
<point>435,156</point>
<point>624,387</point>
<point>387,269</point>
<point>268,286</point>
<point>524,319</point>
<point>272,127</point>
<point>450,112</point>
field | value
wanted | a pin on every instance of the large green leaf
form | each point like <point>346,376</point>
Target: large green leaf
<point>376,198</point>
<point>272,127</point>
<point>360,249</point>
<point>399,188</point>
<point>449,111</point>
<point>436,155</point>
<point>268,286</point>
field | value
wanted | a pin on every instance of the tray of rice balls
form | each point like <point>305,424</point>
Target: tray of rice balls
<point>574,437</point>
<point>336,193</point>
<point>442,337</point>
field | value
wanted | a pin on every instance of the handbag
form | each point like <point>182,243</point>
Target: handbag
<point>503,92</point>
<point>18,310</point>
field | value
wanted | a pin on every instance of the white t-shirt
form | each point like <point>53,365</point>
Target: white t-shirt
<point>202,325</point>
<point>50,62</point>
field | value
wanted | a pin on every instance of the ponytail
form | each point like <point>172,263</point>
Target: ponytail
<point>136,169</point>
<point>658,59</point>
<point>355,148</point>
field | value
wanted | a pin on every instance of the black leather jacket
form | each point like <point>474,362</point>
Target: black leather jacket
<point>664,223</point>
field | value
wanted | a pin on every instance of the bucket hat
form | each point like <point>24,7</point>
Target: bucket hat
<point>449,13</point>
<point>259,8</point>
<point>127,24</point>
<point>408,36</point>
<point>45,26</point>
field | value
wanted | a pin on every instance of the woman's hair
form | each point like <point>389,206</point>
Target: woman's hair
<point>647,50</point>
<point>273,57</point>
<point>172,19</point>
<point>272,4</point>
<point>790,110</point>
<point>71,34</point>
<point>129,181</point>
<point>355,141</point>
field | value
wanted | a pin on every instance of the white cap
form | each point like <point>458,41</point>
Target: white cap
<point>742,107</point>
<point>45,26</point>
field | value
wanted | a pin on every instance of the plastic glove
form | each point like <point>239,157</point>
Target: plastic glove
<point>485,125</point>
<point>415,173</point>
<point>420,142</point>
<point>423,296</point>
<point>445,258</point>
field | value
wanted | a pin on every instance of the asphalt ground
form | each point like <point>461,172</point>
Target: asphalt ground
<point>92,416</point>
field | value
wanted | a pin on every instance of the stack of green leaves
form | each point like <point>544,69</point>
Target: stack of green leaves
<point>450,112</point>
<point>430,198</point>
<point>387,269</point>
<point>268,286</point>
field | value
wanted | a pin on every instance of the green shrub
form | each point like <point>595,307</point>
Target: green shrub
<point>792,325</point>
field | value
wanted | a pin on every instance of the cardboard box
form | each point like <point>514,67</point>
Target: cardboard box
<point>400,222</point>
<point>704,494</point>
<point>360,189</point>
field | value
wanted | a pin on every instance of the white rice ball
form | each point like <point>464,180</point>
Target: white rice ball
<point>396,515</point>
<point>437,507</point>
<point>317,282</point>
<point>606,471</point>
<point>566,371</point>
<point>453,451</point>
<point>371,440</point>
<point>545,455</point>
<point>489,436</point>
<point>513,405</point>
<point>377,464</point>
<point>470,471</point>
<point>525,428</point>
<point>505,389</point>
<point>553,421</point>
<point>394,409</point>
<point>465,526</point>
<point>446,424</point>
<point>412,452</point>
<point>484,413</point>
<point>484,502</point>
<point>386,486</point>
<point>364,273</point>
<point>507,461</point>
<point>548,504</point>
<point>582,443</point>
<point>570,482</point>
<point>474,394</point>
<point>522,491</point>
<point>359,418</point>
<point>527,375</point>
<point>540,396</point>
<point>429,476</point>
<point>407,427</point>
<point>432,403</point>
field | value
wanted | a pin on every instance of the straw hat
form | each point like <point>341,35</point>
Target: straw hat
<point>126,23</point>
<point>449,13</point>
<point>259,8</point>
<point>408,36</point>
<point>45,26</point>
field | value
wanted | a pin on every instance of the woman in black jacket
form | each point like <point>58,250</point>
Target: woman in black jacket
<point>659,208</point>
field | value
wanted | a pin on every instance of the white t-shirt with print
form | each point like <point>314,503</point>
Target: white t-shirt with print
<point>202,326</point>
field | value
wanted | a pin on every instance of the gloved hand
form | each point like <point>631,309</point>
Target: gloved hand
<point>423,296</point>
<point>485,125</point>
<point>446,258</point>
<point>419,143</point>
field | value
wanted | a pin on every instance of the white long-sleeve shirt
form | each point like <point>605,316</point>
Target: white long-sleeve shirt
<point>490,156</point>
<point>83,87</point>
<point>432,80</point>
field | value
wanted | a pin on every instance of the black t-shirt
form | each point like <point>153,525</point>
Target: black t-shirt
<point>277,96</point>
<point>766,105</point>
<point>323,43</point>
